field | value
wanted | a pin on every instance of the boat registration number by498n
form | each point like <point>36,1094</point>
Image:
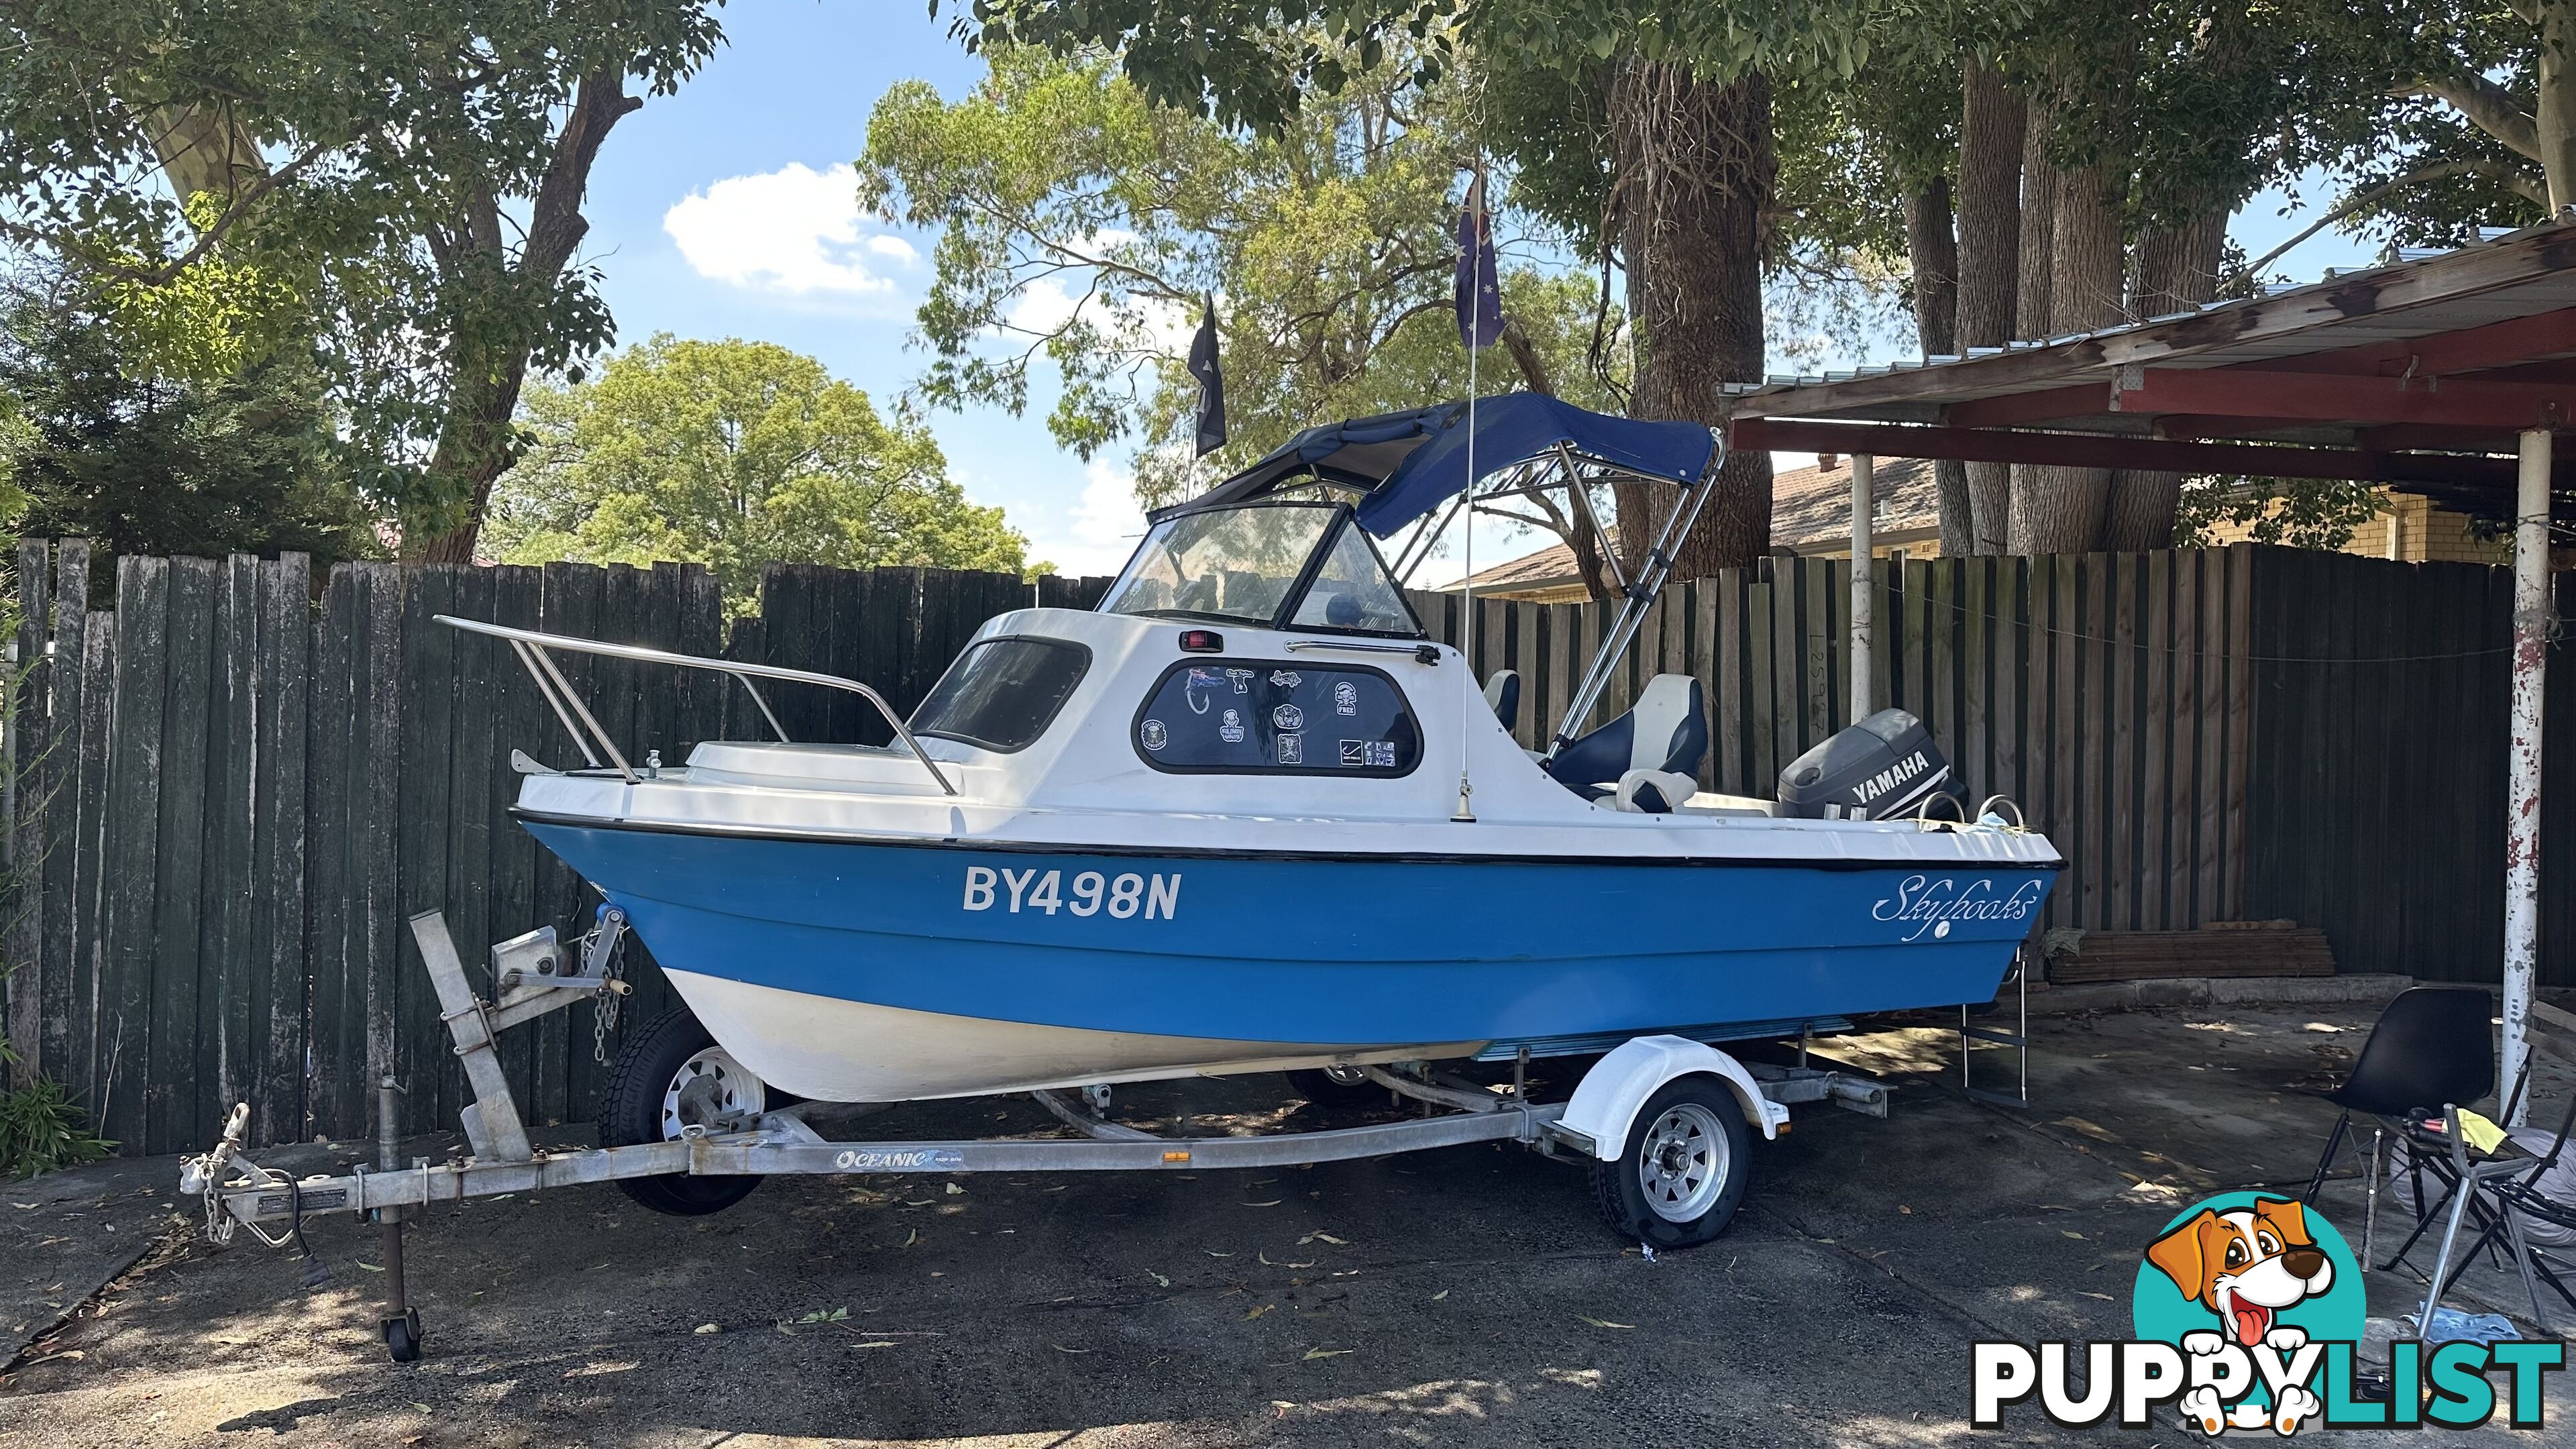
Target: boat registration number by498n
<point>1088,894</point>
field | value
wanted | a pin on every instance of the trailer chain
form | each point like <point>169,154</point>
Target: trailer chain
<point>603,1012</point>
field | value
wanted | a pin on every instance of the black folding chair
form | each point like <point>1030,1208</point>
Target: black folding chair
<point>2432,1046</point>
<point>2518,1194</point>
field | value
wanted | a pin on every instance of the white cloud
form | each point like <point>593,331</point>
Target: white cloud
<point>1101,528</point>
<point>793,230</point>
<point>1046,304</point>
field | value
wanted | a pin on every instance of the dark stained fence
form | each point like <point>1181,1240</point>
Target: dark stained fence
<point>227,793</point>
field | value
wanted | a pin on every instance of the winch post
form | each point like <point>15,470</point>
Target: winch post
<point>492,1122</point>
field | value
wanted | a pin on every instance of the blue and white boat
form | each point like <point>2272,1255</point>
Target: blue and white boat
<point>1247,816</point>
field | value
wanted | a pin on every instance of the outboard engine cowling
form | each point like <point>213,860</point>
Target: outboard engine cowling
<point>1877,769</point>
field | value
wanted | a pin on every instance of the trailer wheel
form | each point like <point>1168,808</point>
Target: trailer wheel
<point>1337,1087</point>
<point>402,1336</point>
<point>1679,1179</point>
<point>669,1077</point>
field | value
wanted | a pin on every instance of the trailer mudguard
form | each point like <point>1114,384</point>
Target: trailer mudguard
<point>1606,1100</point>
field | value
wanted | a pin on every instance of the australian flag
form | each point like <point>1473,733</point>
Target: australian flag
<point>1480,292</point>
<point>1203,366</point>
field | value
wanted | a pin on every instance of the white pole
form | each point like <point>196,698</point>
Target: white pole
<point>1467,592</point>
<point>2532,613</point>
<point>1863,571</point>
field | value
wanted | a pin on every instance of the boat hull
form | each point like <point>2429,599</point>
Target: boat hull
<point>864,970</point>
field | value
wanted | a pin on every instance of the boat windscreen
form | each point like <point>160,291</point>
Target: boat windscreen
<point>1235,564</point>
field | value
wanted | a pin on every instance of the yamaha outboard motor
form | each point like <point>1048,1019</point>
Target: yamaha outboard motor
<point>1877,769</point>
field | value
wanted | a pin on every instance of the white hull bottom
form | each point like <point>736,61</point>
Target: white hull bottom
<point>835,1050</point>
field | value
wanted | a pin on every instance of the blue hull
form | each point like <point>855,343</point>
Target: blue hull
<point>1336,950</point>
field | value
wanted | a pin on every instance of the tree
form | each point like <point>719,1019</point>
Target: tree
<point>1080,226</point>
<point>1682,159</point>
<point>103,448</point>
<point>735,455</point>
<point>404,182</point>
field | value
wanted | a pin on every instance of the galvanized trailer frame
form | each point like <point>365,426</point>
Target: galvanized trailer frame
<point>535,975</point>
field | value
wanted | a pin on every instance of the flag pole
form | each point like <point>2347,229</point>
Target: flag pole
<point>1467,595</point>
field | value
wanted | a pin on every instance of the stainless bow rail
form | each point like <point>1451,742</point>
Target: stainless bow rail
<point>532,647</point>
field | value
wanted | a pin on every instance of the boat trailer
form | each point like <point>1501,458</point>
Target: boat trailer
<point>535,975</point>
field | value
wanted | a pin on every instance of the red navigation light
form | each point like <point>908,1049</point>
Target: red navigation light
<point>1202,641</point>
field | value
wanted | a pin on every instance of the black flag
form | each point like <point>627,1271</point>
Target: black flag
<point>1203,366</point>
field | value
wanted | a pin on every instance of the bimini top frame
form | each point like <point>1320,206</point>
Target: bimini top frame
<point>532,649</point>
<point>1402,467</point>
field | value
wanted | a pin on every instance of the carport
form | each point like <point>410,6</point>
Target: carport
<point>2444,374</point>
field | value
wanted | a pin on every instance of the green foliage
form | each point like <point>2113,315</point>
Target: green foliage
<point>103,448</point>
<point>401,181</point>
<point>2296,512</point>
<point>42,1130</point>
<point>1080,224</point>
<point>735,455</point>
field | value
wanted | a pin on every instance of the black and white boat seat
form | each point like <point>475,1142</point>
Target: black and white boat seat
<point>1503,692</point>
<point>1653,792</point>
<point>1665,730</point>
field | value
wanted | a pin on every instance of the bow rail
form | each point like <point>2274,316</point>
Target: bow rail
<point>531,648</point>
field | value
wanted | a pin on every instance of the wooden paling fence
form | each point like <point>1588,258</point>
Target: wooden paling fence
<point>228,792</point>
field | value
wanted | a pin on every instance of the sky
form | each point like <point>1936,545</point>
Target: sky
<point>729,210</point>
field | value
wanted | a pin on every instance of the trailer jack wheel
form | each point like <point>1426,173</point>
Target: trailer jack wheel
<point>402,1336</point>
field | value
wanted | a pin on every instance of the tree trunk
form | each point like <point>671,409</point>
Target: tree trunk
<point>1695,169</point>
<point>1933,248</point>
<point>2059,509</point>
<point>207,149</point>
<point>2176,270</point>
<point>2034,267</point>
<point>1991,127</point>
<point>474,448</point>
<point>2556,112</point>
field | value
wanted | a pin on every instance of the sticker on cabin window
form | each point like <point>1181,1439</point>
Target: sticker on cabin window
<point>1204,726</point>
<point>1088,893</point>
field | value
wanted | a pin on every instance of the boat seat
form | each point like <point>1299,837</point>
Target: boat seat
<point>1503,692</point>
<point>1653,792</point>
<point>1666,729</point>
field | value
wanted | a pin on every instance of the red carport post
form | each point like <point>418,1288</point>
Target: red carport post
<point>2531,626</point>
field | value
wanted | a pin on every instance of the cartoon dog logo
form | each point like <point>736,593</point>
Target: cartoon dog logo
<point>2246,1266</point>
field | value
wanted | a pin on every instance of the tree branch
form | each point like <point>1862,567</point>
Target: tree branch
<point>2488,106</point>
<point>208,239</point>
<point>2521,183</point>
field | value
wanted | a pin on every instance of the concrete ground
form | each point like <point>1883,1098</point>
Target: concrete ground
<point>1469,1296</point>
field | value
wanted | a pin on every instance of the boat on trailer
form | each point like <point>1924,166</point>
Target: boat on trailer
<point>1244,816</point>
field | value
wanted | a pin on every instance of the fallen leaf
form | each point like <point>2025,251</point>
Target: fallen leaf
<point>1602,1322</point>
<point>1157,1277</point>
<point>1060,1348</point>
<point>1323,1237</point>
<point>955,1191</point>
<point>1909,1212</point>
<point>1256,1313</point>
<point>1443,1293</point>
<point>1274,1202</point>
<point>1213,1253</point>
<point>1328,1352</point>
<point>912,1238</point>
<point>880,1343</point>
<point>417,1404</point>
<point>370,1267</point>
<point>706,1328</point>
<point>2105,1297</point>
<point>2071,1233</point>
<point>1264,1256</point>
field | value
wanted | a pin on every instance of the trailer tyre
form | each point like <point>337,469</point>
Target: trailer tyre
<point>1682,1174</point>
<point>667,1077</point>
<point>1333,1088</point>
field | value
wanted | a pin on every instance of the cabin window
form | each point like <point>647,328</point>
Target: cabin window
<point>1001,694</point>
<point>1232,565</point>
<point>1277,717</point>
<point>1352,593</point>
